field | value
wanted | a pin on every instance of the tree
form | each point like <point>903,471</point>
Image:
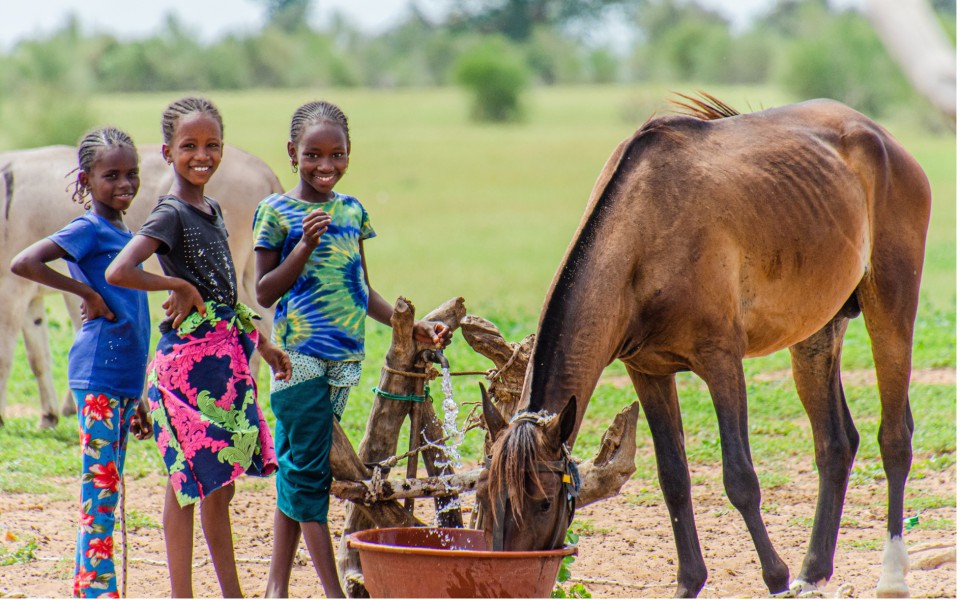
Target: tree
<point>516,19</point>
<point>288,15</point>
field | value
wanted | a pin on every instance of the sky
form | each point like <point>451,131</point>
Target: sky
<point>21,19</point>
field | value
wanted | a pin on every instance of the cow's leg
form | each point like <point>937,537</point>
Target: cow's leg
<point>13,297</point>
<point>722,370</point>
<point>36,343</point>
<point>658,396</point>
<point>72,303</point>
<point>816,371</point>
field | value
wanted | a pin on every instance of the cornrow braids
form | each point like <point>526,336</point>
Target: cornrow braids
<point>89,149</point>
<point>178,109</point>
<point>318,111</point>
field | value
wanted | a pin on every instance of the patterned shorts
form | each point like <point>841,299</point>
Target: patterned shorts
<point>342,375</point>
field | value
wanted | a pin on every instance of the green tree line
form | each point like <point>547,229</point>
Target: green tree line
<point>805,46</point>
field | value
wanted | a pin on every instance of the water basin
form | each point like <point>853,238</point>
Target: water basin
<point>440,562</point>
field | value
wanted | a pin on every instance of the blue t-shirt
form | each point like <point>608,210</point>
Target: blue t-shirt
<point>109,356</point>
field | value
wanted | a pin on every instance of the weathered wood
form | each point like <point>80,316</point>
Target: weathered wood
<point>386,418</point>
<point>374,497</point>
<point>604,476</point>
<point>367,492</point>
<point>346,466</point>
<point>509,358</point>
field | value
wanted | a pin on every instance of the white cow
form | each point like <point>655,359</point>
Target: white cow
<point>35,202</point>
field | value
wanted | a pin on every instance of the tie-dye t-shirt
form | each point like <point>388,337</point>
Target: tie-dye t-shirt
<point>323,313</point>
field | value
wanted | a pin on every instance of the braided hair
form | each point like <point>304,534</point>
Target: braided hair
<point>87,152</point>
<point>318,111</point>
<point>183,107</point>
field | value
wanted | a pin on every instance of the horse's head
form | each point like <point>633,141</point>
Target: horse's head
<point>528,490</point>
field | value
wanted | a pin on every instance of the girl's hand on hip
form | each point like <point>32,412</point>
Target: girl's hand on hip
<point>93,307</point>
<point>432,332</point>
<point>278,360</point>
<point>314,226</point>
<point>181,302</point>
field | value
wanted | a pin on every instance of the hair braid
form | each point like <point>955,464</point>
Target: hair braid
<point>89,149</point>
<point>178,109</point>
<point>318,111</point>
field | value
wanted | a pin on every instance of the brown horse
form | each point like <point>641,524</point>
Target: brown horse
<point>709,238</point>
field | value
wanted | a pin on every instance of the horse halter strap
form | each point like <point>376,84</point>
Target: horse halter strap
<point>569,474</point>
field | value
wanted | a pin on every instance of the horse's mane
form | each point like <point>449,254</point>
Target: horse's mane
<point>706,108</point>
<point>515,457</point>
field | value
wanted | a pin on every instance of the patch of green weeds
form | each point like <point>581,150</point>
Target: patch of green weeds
<point>576,590</point>
<point>771,480</point>
<point>586,527</point>
<point>805,522</point>
<point>137,519</point>
<point>863,544</point>
<point>918,503</point>
<point>19,553</point>
<point>645,497</point>
<point>864,474</point>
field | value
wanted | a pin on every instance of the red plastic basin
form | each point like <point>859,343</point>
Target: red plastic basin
<point>437,562</point>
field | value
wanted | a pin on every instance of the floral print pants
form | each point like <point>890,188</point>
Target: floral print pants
<point>104,425</point>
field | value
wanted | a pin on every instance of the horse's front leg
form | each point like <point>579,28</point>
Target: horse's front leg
<point>658,396</point>
<point>816,371</point>
<point>723,375</point>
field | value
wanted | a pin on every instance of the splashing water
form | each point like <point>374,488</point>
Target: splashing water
<point>450,429</point>
<point>454,438</point>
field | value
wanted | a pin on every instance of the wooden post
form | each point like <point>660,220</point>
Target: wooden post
<point>387,417</point>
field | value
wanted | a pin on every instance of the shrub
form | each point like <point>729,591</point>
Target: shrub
<point>845,61</point>
<point>495,75</point>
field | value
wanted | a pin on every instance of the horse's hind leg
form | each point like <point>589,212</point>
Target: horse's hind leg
<point>723,373</point>
<point>889,308</point>
<point>816,371</point>
<point>658,396</point>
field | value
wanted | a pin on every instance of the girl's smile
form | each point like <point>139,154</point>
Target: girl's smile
<point>113,181</point>
<point>323,156</point>
<point>195,151</point>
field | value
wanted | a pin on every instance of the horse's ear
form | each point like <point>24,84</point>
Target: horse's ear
<point>491,416</point>
<point>568,419</point>
<point>561,427</point>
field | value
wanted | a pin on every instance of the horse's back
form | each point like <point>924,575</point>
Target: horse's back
<point>773,215</point>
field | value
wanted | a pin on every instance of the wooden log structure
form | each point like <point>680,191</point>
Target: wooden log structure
<point>403,375</point>
<point>375,497</point>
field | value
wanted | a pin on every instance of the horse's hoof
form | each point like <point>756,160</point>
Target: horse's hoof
<point>49,421</point>
<point>892,590</point>
<point>69,409</point>
<point>803,589</point>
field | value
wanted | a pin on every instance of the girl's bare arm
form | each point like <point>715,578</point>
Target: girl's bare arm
<point>124,272</point>
<point>274,277</point>
<point>31,263</point>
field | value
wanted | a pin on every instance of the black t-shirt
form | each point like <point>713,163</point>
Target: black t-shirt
<point>193,246</point>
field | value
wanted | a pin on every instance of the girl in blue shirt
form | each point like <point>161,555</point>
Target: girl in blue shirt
<point>108,359</point>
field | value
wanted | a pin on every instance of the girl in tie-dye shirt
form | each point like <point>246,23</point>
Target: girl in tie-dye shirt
<point>309,248</point>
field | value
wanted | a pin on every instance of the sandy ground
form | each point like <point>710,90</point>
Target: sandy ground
<point>626,546</point>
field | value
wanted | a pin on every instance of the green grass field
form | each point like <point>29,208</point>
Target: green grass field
<point>485,212</point>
